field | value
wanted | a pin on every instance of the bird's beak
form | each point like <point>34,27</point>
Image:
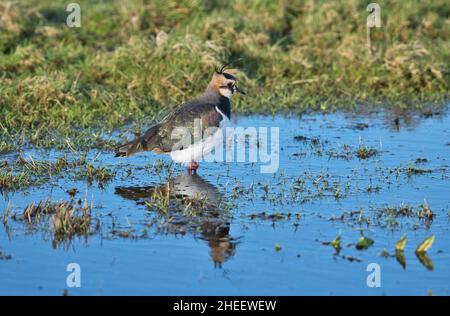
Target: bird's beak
<point>239,90</point>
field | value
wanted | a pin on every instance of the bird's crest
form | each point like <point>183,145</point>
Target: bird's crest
<point>220,71</point>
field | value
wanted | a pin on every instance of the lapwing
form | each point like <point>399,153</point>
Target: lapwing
<point>210,111</point>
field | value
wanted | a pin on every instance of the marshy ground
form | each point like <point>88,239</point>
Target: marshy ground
<point>364,147</point>
<point>311,227</point>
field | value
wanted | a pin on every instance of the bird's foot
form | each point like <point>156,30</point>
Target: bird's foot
<point>192,168</point>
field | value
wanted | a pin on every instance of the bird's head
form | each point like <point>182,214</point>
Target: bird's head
<point>224,83</point>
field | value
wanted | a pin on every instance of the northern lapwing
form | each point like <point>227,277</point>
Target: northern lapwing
<point>210,111</point>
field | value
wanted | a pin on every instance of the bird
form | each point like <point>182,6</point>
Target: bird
<point>212,110</point>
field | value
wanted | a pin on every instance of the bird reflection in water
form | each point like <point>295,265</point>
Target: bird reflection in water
<point>192,206</point>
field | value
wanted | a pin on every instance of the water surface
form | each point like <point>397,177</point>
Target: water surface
<point>247,232</point>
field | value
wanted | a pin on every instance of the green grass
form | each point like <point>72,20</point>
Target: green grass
<point>134,60</point>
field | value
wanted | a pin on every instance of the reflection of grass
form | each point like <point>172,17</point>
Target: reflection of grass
<point>295,56</point>
<point>22,172</point>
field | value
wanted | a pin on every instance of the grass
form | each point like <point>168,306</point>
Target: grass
<point>364,152</point>
<point>100,174</point>
<point>4,256</point>
<point>22,173</point>
<point>133,60</point>
<point>412,170</point>
<point>67,219</point>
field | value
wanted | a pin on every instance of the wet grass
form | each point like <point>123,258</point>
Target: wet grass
<point>21,172</point>
<point>317,189</point>
<point>392,216</point>
<point>63,86</point>
<point>4,256</point>
<point>100,174</point>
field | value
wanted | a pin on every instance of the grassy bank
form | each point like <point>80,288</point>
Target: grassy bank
<point>136,59</point>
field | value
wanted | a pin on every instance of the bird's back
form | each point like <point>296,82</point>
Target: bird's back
<point>209,108</point>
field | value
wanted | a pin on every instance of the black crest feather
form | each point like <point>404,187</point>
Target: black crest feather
<point>222,69</point>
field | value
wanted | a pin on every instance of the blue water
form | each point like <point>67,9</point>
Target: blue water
<point>195,257</point>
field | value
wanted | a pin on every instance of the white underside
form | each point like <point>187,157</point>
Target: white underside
<point>200,149</point>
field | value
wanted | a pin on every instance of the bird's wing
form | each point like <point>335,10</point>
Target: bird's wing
<point>190,117</point>
<point>171,132</point>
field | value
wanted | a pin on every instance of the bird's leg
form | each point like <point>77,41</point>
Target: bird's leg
<point>192,168</point>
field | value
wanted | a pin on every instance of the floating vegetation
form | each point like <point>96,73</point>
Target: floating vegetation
<point>421,252</point>
<point>278,247</point>
<point>6,214</point>
<point>425,245</point>
<point>364,243</point>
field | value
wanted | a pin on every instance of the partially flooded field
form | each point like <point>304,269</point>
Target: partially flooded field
<point>347,190</point>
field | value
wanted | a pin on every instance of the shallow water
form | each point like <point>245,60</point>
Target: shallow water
<point>230,247</point>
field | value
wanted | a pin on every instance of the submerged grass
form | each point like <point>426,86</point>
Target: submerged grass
<point>131,60</point>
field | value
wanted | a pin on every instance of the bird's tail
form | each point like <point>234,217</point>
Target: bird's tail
<point>140,143</point>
